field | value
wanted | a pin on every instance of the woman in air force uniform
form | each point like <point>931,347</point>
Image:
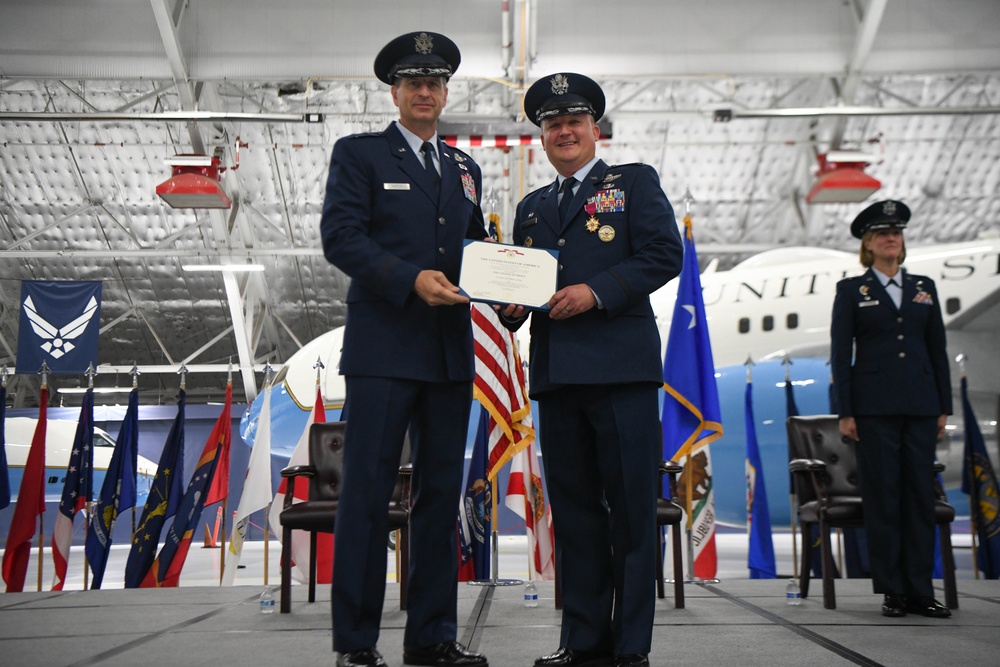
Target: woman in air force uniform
<point>890,371</point>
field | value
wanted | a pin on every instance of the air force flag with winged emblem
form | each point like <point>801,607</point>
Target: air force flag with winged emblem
<point>60,325</point>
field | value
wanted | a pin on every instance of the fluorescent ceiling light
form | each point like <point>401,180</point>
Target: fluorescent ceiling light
<point>231,268</point>
<point>189,161</point>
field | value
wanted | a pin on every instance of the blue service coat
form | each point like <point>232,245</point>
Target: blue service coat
<point>900,360</point>
<point>381,226</point>
<point>642,251</point>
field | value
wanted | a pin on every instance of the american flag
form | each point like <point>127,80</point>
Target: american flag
<point>500,387</point>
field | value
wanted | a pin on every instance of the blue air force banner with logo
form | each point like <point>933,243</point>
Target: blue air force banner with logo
<point>60,324</point>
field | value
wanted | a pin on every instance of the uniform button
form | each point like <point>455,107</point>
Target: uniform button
<point>899,320</point>
<point>560,267</point>
<point>899,337</point>
<point>440,251</point>
<point>902,355</point>
<point>561,242</point>
<point>441,220</point>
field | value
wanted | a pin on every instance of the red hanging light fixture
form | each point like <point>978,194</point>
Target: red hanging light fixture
<point>842,179</point>
<point>194,183</point>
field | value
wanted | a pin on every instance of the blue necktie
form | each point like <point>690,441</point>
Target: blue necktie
<point>566,192</point>
<point>428,152</point>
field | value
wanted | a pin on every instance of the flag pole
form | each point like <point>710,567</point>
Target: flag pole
<point>88,502</point>
<point>494,579</point>
<point>222,540</point>
<point>135,385</point>
<point>791,487</point>
<point>44,370</point>
<point>973,487</point>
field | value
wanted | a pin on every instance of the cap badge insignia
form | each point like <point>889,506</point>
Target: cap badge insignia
<point>425,43</point>
<point>560,85</point>
<point>889,208</point>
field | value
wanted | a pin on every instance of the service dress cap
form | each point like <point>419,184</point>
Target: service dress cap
<point>563,94</point>
<point>417,54</point>
<point>888,214</point>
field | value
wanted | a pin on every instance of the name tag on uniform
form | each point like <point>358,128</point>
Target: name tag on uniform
<point>868,303</point>
<point>396,186</point>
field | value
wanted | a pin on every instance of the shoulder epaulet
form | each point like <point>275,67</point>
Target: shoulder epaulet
<point>627,164</point>
<point>365,135</point>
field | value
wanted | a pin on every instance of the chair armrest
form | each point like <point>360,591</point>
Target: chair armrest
<point>806,465</point>
<point>670,468</point>
<point>291,473</point>
<point>296,471</point>
<point>939,467</point>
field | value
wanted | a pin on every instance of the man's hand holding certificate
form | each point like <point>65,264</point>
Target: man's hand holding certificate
<point>504,274</point>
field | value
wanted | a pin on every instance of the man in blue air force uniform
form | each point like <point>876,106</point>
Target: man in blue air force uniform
<point>893,389</point>
<point>399,205</point>
<point>595,371</point>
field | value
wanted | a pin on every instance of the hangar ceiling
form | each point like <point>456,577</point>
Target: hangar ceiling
<point>96,95</point>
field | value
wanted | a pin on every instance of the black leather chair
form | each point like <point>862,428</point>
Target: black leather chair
<point>825,470</point>
<point>669,513</point>
<point>318,514</point>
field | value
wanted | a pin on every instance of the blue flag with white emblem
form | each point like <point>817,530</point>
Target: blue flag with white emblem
<point>60,325</point>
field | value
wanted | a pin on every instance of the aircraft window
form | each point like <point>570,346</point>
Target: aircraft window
<point>101,440</point>
<point>792,321</point>
<point>744,325</point>
<point>953,305</point>
<point>768,323</point>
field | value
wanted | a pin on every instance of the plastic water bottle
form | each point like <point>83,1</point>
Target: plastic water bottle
<point>793,595</point>
<point>266,602</point>
<point>530,595</point>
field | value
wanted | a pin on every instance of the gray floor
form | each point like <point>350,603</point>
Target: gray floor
<point>734,622</point>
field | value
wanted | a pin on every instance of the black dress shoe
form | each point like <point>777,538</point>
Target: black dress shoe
<point>927,607</point>
<point>632,660</point>
<point>894,606</point>
<point>445,653</point>
<point>366,657</point>
<point>567,657</point>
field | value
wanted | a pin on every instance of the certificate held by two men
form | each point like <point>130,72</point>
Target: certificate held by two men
<point>503,274</point>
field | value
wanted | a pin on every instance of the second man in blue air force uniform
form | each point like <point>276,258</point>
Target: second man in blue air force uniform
<point>595,371</point>
<point>399,205</point>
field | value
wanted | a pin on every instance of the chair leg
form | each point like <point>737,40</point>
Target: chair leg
<point>805,560</point>
<point>675,537</point>
<point>286,571</point>
<point>829,594</point>
<point>312,566</point>
<point>403,547</point>
<point>659,563</point>
<point>948,567</point>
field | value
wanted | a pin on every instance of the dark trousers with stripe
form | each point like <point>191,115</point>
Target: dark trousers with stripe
<point>601,447</point>
<point>380,411</point>
<point>896,468</point>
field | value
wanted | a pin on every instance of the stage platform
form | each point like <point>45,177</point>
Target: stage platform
<point>735,622</point>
